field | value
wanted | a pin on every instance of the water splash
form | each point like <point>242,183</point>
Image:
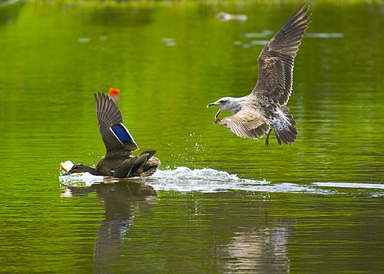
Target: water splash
<point>184,180</point>
<point>85,179</point>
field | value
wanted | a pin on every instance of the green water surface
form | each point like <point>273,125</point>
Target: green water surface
<point>170,59</point>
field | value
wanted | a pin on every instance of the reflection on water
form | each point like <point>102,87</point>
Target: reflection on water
<point>122,200</point>
<point>325,35</point>
<point>260,243</point>
<point>263,250</point>
<point>253,248</point>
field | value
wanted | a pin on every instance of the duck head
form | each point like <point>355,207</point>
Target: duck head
<point>79,168</point>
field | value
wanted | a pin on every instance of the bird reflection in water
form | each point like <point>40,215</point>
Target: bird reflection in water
<point>261,250</point>
<point>123,200</point>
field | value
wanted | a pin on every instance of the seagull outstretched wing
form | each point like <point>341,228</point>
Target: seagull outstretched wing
<point>275,61</point>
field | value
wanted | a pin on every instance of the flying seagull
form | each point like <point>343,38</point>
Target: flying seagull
<point>265,107</point>
<point>118,161</point>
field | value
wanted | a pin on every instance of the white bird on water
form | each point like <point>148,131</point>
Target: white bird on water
<point>265,107</point>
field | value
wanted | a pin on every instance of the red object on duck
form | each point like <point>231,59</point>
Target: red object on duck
<point>114,94</point>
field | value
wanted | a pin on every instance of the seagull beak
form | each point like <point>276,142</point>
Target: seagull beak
<point>215,104</point>
<point>217,114</point>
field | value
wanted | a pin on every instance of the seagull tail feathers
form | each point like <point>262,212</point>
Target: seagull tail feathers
<point>284,126</point>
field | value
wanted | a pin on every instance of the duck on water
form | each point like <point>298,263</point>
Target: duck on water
<point>118,160</point>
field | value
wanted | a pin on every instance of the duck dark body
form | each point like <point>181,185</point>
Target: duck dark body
<point>122,164</point>
<point>111,162</point>
<point>118,161</point>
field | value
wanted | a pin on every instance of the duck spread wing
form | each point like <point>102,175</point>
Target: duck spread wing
<point>112,130</point>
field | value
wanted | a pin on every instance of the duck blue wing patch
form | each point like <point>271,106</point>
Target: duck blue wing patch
<point>133,170</point>
<point>122,133</point>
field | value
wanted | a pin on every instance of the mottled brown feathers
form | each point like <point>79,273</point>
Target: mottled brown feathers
<point>276,60</point>
<point>264,107</point>
<point>246,123</point>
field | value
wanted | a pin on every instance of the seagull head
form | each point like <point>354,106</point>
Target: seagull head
<point>227,103</point>
<point>222,102</point>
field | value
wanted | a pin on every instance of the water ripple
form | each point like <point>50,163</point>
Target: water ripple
<point>349,185</point>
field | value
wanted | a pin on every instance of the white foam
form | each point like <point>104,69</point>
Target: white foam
<point>86,178</point>
<point>349,185</point>
<point>184,179</point>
